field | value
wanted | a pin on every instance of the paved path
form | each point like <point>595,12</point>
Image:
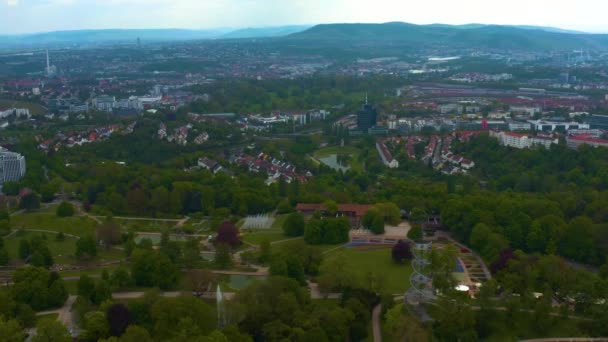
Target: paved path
<point>132,218</point>
<point>64,313</point>
<point>315,292</point>
<point>262,271</point>
<point>377,331</point>
<point>173,294</point>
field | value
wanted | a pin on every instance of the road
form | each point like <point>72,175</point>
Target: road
<point>377,330</point>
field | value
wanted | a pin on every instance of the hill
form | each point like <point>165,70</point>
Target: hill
<point>447,36</point>
<point>259,32</point>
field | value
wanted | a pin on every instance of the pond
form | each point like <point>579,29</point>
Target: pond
<point>155,238</point>
<point>331,160</point>
<point>239,282</point>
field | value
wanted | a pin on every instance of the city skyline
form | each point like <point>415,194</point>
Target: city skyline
<point>31,16</point>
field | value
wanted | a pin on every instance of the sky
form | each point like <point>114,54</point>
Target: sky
<point>28,16</point>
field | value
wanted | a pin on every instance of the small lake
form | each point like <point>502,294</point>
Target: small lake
<point>332,161</point>
<point>155,238</point>
<point>239,282</point>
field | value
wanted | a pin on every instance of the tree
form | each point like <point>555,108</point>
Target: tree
<point>137,201</point>
<point>378,225</point>
<point>294,225</point>
<point>11,331</point>
<point>369,217</point>
<point>135,333</point>
<point>24,249</point>
<point>120,279</point>
<point>265,251</point>
<point>152,268</point>
<point>35,286</point>
<point>102,292</point>
<point>86,248</point>
<point>401,252</point>
<point>49,330</point>
<point>30,201</point>
<point>223,259</point>
<point>4,258</point>
<point>415,233</point>
<point>96,326</point>
<point>119,319</point>
<point>108,233</point>
<point>228,234</point>
<point>418,215</point>
<point>86,287</point>
<point>390,212</point>
<point>65,209</point>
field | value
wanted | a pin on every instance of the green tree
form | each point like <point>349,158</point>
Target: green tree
<point>11,331</point>
<point>265,251</point>
<point>86,287</point>
<point>152,268</point>
<point>96,326</point>
<point>223,257</point>
<point>294,225</point>
<point>415,233</point>
<point>30,202</point>
<point>86,248</point>
<point>378,225</point>
<point>65,209</point>
<point>48,330</point>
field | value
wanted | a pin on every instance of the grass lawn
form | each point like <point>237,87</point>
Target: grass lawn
<point>62,251</point>
<point>52,317</point>
<point>75,225</point>
<point>257,238</point>
<point>35,109</point>
<point>145,226</point>
<point>396,277</point>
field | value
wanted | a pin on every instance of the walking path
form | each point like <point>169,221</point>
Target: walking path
<point>377,331</point>
<point>64,313</point>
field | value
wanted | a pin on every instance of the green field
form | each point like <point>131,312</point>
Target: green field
<point>62,251</point>
<point>396,277</point>
<point>35,109</point>
<point>75,225</point>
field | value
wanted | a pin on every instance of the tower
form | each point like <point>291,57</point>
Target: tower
<point>48,62</point>
<point>366,118</point>
<point>421,281</point>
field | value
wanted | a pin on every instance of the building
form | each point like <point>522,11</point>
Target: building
<point>519,126</point>
<point>12,166</point>
<point>552,126</point>
<point>354,212</point>
<point>574,141</point>
<point>104,103</point>
<point>50,70</point>
<point>387,158</point>
<point>521,141</point>
<point>597,121</point>
<point>367,117</point>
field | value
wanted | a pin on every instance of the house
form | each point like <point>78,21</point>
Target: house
<point>354,212</point>
<point>209,164</point>
<point>386,156</point>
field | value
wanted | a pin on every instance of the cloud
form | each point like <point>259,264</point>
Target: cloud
<point>12,2</point>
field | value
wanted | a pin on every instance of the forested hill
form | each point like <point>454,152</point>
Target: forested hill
<point>472,36</point>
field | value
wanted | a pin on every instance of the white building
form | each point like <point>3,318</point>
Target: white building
<point>521,141</point>
<point>386,156</point>
<point>541,125</point>
<point>519,126</point>
<point>12,166</point>
<point>104,103</point>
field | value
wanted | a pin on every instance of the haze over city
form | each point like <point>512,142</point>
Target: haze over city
<point>29,16</point>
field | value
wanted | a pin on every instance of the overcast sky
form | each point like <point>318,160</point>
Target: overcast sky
<point>25,16</point>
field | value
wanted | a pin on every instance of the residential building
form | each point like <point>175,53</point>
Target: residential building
<point>522,141</point>
<point>12,166</point>
<point>386,156</point>
<point>574,141</point>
